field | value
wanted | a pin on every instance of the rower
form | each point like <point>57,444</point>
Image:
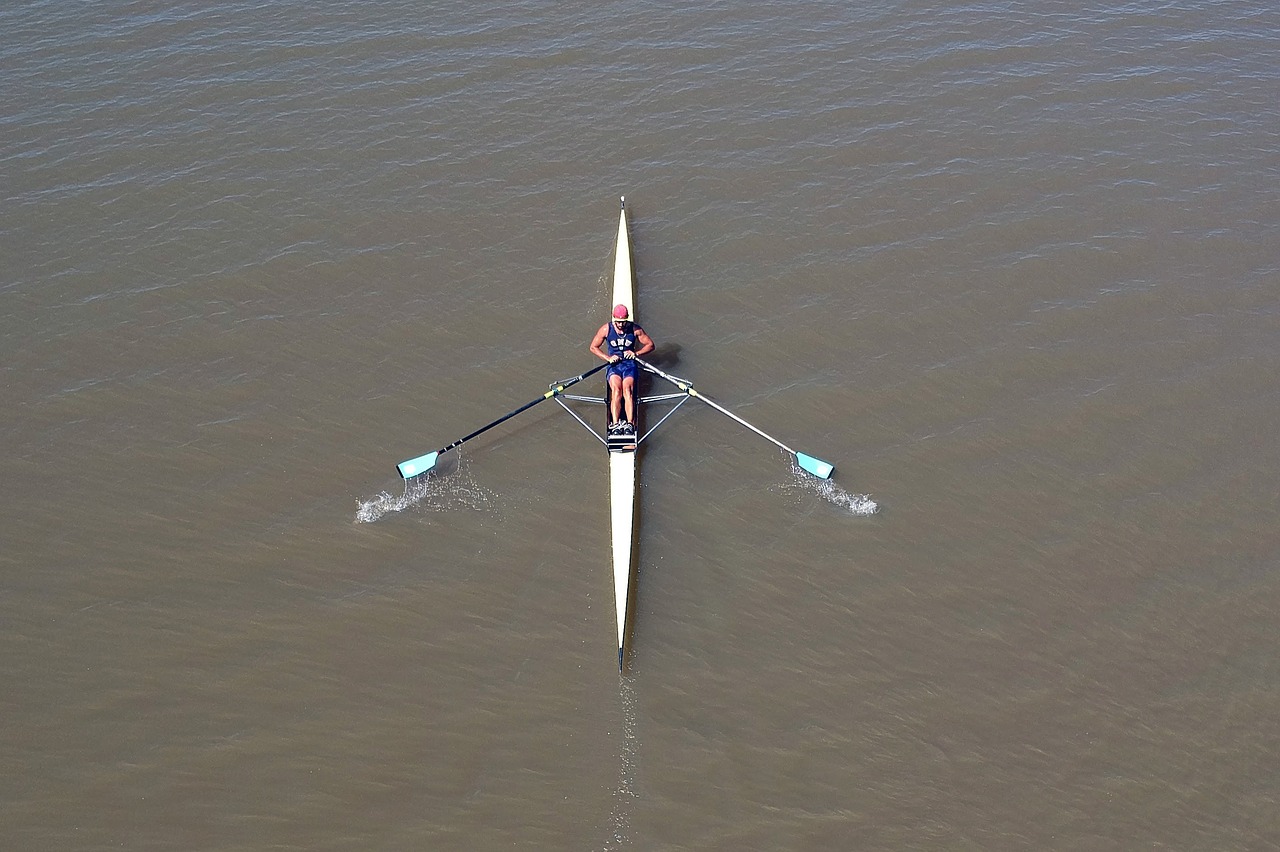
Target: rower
<point>618,342</point>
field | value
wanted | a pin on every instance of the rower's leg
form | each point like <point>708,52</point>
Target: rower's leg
<point>629,398</point>
<point>615,398</point>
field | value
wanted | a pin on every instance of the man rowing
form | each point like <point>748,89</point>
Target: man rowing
<point>619,341</point>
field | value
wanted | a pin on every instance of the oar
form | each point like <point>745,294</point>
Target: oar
<point>816,466</point>
<point>425,464</point>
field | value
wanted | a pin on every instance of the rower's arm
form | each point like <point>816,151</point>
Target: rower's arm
<point>646,343</point>
<point>597,343</point>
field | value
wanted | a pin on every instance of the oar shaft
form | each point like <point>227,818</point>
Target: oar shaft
<point>688,388</point>
<point>503,419</point>
<point>427,463</point>
<point>816,466</point>
<point>718,407</point>
<point>558,388</point>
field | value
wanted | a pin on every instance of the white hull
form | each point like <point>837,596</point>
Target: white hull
<point>622,464</point>
<point>622,498</point>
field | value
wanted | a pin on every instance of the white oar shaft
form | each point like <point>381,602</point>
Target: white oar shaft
<point>816,466</point>
<point>718,407</point>
<point>688,388</point>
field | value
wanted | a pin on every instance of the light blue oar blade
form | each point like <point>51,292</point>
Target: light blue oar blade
<point>817,467</point>
<point>418,466</point>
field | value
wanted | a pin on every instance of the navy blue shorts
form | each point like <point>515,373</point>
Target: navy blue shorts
<point>627,369</point>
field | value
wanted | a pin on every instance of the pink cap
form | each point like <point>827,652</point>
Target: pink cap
<point>620,312</point>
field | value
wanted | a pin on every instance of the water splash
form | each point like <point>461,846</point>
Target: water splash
<point>457,490</point>
<point>854,504</point>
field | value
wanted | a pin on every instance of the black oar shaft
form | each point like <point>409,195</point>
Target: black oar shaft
<point>427,463</point>
<point>503,419</point>
<point>558,388</point>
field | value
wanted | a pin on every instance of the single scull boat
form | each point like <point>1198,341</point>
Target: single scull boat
<point>623,461</point>
<point>622,449</point>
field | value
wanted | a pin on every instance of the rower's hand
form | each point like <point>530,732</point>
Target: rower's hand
<point>613,359</point>
<point>629,355</point>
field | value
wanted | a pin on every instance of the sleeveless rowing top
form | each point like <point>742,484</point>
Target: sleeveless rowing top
<point>624,341</point>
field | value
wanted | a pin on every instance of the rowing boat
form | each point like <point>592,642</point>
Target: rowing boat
<point>622,449</point>
<point>623,461</point>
